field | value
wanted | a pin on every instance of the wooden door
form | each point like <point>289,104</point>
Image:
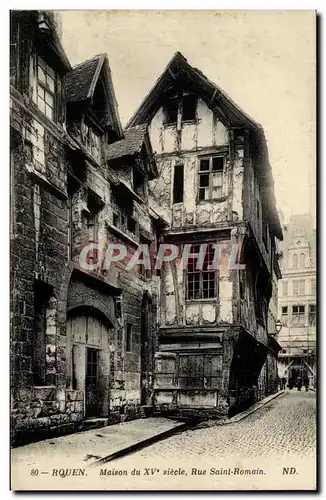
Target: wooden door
<point>89,370</point>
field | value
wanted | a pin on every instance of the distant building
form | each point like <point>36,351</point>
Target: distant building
<point>297,299</point>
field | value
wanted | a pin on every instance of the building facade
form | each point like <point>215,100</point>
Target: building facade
<point>82,332</point>
<point>217,344</point>
<point>297,300</point>
<point>99,331</point>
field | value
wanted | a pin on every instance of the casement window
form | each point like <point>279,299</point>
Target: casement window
<point>299,287</point>
<point>129,339</point>
<point>284,288</point>
<point>302,260</point>
<point>295,261</point>
<point>211,178</point>
<point>91,221</point>
<point>312,315</point>
<point>285,315</point>
<point>92,142</point>
<point>201,283</point>
<point>46,88</point>
<point>298,315</point>
<point>178,183</point>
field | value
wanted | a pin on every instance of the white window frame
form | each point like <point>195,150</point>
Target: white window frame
<point>211,175</point>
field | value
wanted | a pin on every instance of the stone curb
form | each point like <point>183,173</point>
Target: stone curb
<point>251,410</point>
<point>240,416</point>
<point>139,445</point>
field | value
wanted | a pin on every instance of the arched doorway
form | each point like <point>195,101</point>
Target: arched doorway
<point>88,343</point>
<point>146,354</point>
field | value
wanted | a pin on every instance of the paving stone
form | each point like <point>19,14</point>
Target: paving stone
<point>284,427</point>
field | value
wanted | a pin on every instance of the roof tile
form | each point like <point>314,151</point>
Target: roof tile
<point>79,79</point>
<point>131,144</point>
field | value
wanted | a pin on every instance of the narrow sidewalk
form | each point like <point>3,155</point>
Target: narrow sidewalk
<point>96,446</point>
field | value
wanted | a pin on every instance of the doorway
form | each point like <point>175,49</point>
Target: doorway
<point>88,347</point>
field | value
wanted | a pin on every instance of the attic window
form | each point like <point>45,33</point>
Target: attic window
<point>171,110</point>
<point>189,106</point>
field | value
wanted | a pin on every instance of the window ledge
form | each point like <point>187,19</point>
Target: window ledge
<point>194,121</point>
<point>122,233</point>
<point>213,299</point>
<point>215,200</point>
<point>170,125</point>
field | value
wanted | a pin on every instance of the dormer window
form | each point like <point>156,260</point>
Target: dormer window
<point>46,85</point>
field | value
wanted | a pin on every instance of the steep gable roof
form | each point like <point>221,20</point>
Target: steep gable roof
<point>180,74</point>
<point>81,80</point>
<point>128,146</point>
<point>80,84</point>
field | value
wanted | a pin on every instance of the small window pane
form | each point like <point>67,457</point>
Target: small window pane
<point>50,71</point>
<point>40,92</point>
<point>42,63</point>
<point>49,99</point>
<point>218,164</point>
<point>204,165</point>
<point>204,180</point>
<point>41,74</point>
<point>41,105</point>
<point>49,111</point>
<point>50,83</point>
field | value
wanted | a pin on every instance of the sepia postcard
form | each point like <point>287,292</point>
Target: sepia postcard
<point>163,250</point>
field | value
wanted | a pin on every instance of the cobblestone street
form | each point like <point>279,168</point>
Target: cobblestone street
<point>284,427</point>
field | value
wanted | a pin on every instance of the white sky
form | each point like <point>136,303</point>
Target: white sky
<point>264,60</point>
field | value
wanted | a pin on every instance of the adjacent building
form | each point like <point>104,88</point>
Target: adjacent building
<point>217,339</point>
<point>82,333</point>
<point>297,300</point>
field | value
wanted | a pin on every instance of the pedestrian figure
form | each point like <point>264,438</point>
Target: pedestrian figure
<point>299,383</point>
<point>283,383</point>
<point>306,382</point>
